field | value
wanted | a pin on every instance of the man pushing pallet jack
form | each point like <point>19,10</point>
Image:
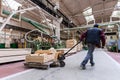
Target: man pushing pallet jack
<point>93,37</point>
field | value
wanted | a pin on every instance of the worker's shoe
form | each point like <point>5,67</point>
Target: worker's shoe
<point>92,64</point>
<point>83,67</point>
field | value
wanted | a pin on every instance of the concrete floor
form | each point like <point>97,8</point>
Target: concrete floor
<point>105,69</point>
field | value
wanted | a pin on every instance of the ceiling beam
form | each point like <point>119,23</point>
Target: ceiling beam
<point>91,25</point>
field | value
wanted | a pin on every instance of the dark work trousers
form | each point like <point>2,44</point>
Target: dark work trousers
<point>89,55</point>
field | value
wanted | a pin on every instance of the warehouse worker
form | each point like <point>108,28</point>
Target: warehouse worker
<point>92,36</point>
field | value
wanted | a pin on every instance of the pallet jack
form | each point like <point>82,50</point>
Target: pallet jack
<point>59,63</point>
<point>61,58</point>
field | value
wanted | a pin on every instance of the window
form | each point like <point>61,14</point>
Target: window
<point>12,4</point>
<point>117,6</point>
<point>116,12</point>
<point>88,14</point>
<point>89,18</point>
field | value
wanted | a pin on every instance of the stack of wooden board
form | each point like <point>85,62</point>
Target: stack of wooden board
<point>11,55</point>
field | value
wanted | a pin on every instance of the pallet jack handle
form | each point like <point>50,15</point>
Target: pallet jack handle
<point>72,48</point>
<point>62,57</point>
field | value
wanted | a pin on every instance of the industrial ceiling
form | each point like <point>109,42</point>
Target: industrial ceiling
<point>74,12</point>
<point>101,9</point>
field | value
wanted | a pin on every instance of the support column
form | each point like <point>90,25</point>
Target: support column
<point>118,31</point>
<point>57,29</point>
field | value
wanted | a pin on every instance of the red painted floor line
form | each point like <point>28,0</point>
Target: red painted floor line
<point>11,68</point>
<point>114,55</point>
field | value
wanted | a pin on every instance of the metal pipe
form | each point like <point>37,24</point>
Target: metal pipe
<point>7,20</point>
<point>91,25</point>
<point>118,25</point>
<point>10,16</point>
<point>29,33</point>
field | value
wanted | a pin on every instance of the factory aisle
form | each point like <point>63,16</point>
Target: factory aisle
<point>105,69</point>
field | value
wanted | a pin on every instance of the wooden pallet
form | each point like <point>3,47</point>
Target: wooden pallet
<point>36,65</point>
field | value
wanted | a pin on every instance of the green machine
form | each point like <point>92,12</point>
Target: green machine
<point>2,45</point>
<point>36,44</point>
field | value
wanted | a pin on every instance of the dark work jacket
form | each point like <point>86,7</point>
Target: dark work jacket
<point>94,35</point>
